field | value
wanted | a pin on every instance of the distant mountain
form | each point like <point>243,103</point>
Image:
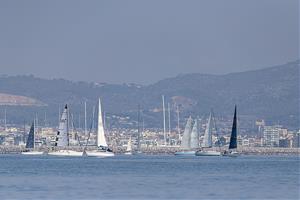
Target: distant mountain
<point>271,93</point>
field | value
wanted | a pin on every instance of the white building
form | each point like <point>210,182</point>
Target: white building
<point>271,136</point>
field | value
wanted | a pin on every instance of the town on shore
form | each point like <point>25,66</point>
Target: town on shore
<point>268,140</point>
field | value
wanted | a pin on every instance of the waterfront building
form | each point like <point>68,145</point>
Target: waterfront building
<point>271,136</point>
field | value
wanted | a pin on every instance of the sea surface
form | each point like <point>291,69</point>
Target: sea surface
<point>149,177</point>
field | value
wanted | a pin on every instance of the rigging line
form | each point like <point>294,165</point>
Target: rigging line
<point>74,129</point>
<point>215,125</point>
<point>91,127</point>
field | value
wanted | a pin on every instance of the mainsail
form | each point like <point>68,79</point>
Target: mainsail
<point>207,141</point>
<point>100,129</point>
<point>62,137</point>
<point>195,136</point>
<point>31,138</point>
<point>233,137</point>
<point>186,138</point>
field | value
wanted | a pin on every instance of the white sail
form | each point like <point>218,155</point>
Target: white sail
<point>207,142</point>
<point>101,141</point>
<point>195,136</point>
<point>129,145</point>
<point>186,138</point>
<point>62,139</point>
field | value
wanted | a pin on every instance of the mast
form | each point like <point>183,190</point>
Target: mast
<point>36,125</point>
<point>79,121</point>
<point>178,120</point>
<point>233,137</point>
<point>24,133</point>
<point>164,116</point>
<point>85,130</point>
<point>5,126</point>
<point>138,129</point>
<point>34,133</point>
<point>93,121</point>
<point>68,126</point>
<point>58,114</point>
<point>169,117</point>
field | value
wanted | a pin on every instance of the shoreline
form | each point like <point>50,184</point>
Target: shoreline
<point>166,150</point>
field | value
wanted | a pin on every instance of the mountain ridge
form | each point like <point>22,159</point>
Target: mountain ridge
<point>271,93</point>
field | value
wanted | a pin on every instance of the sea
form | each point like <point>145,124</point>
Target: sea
<point>149,177</point>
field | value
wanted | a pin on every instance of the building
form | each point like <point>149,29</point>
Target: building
<point>296,140</point>
<point>271,136</point>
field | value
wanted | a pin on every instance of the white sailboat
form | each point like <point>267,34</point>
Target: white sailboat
<point>30,144</point>
<point>103,150</point>
<point>207,142</point>
<point>186,140</point>
<point>62,137</point>
<point>129,147</point>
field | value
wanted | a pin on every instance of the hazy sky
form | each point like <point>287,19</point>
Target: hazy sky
<point>144,41</point>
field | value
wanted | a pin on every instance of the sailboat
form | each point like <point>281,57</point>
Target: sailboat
<point>102,147</point>
<point>30,144</point>
<point>62,137</point>
<point>207,142</point>
<point>232,149</point>
<point>186,140</point>
<point>129,147</point>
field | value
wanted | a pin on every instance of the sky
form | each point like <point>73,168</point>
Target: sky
<point>143,41</point>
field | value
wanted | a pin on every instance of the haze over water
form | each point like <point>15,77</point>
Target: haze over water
<point>149,177</point>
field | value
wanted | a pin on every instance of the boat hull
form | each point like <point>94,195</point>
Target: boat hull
<point>128,153</point>
<point>231,154</point>
<point>208,153</point>
<point>100,154</point>
<point>185,153</point>
<point>65,153</point>
<point>32,153</point>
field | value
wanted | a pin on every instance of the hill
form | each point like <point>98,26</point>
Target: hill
<point>271,93</point>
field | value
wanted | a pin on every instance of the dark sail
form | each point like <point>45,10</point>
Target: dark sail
<point>233,137</point>
<point>30,139</point>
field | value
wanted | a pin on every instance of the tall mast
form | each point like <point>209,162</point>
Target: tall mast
<point>85,130</point>
<point>24,134</point>
<point>164,116</point>
<point>104,120</point>
<point>5,127</point>
<point>169,117</point>
<point>79,121</point>
<point>178,120</point>
<point>93,122</point>
<point>58,114</point>
<point>34,134</point>
<point>138,128</point>
<point>68,117</point>
<point>36,125</point>
<point>45,119</point>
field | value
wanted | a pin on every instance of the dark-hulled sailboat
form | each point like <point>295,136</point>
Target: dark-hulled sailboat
<point>30,143</point>
<point>232,150</point>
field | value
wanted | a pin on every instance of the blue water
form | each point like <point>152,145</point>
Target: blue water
<point>149,177</point>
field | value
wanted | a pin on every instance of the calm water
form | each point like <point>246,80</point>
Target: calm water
<point>149,177</point>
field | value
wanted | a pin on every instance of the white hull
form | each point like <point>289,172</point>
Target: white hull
<point>100,154</point>
<point>65,153</point>
<point>32,153</point>
<point>208,153</point>
<point>185,153</point>
<point>128,153</point>
<point>231,154</point>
